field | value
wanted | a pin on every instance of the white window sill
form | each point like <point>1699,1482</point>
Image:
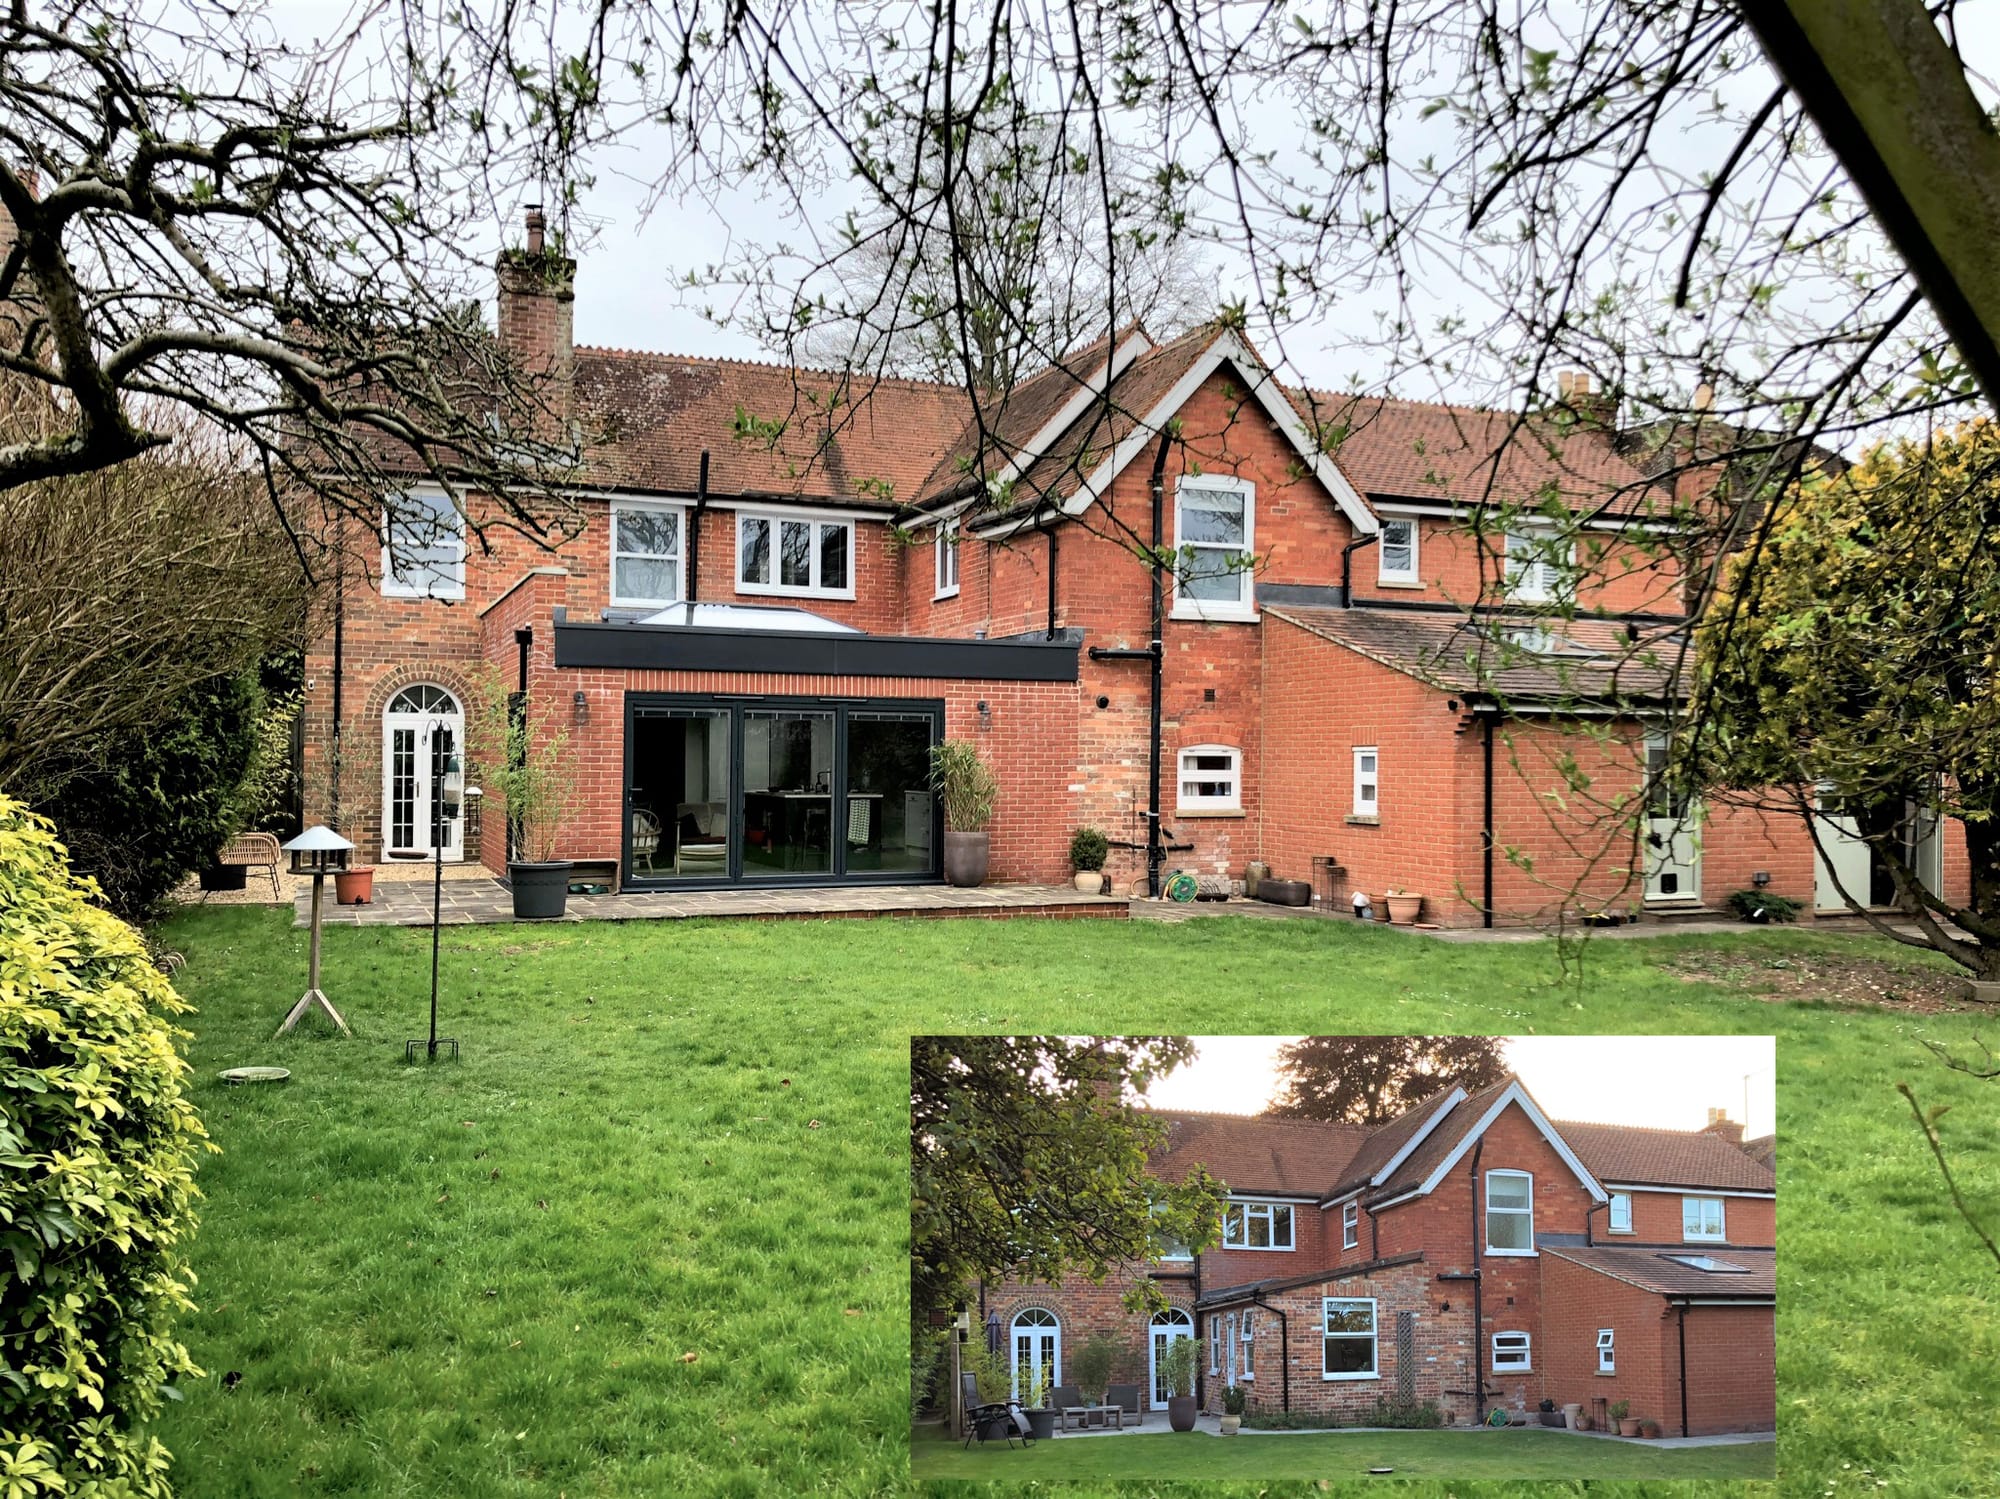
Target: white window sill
<point>1363,820</point>
<point>944,593</point>
<point>1215,614</point>
<point>1705,1239</point>
<point>442,595</point>
<point>1514,1254</point>
<point>1524,1369</point>
<point>1260,1248</point>
<point>1399,582</point>
<point>1349,1377</point>
<point>1623,1233</point>
<point>772,591</point>
<point>1217,812</point>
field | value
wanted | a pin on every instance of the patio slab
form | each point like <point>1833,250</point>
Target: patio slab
<point>1156,1423</point>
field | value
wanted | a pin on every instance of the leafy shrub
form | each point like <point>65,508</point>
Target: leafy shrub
<point>995,1378</point>
<point>1762,905</point>
<point>97,1153</point>
<point>1088,849</point>
<point>1092,1366</point>
<point>964,783</point>
<point>1389,1411</point>
<point>1233,1401</point>
<point>268,799</point>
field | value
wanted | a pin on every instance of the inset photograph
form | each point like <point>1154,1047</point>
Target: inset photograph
<point>1185,1257</point>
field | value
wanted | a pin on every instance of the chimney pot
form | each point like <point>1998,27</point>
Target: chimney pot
<point>536,224</point>
<point>1704,396</point>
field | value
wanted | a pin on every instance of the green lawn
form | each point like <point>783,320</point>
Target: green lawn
<point>1515,1454</point>
<point>672,1138</point>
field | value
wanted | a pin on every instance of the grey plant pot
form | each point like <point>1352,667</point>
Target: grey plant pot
<point>1042,1422</point>
<point>965,859</point>
<point>541,891</point>
<point>1181,1412</point>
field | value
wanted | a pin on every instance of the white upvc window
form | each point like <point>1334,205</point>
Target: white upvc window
<point>807,557</point>
<point>1607,1355</point>
<point>1367,781</point>
<point>1539,564</point>
<point>1214,1344</point>
<point>1510,1353</point>
<point>1245,1346</point>
<point>1701,1219</point>
<point>1349,1330</point>
<point>1510,1212</point>
<point>947,558</point>
<point>423,545</point>
<point>1396,551</point>
<point>1215,526</point>
<point>1257,1225</point>
<point>1211,779</point>
<point>646,550</point>
<point>1621,1212</point>
<point>1350,1225</point>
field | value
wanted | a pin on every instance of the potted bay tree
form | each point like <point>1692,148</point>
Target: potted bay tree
<point>965,784</point>
<point>528,768</point>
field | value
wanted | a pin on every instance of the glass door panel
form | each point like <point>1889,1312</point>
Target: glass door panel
<point>888,817</point>
<point>788,793</point>
<point>678,805</point>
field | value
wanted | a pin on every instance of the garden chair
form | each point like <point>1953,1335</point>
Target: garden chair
<point>1126,1398</point>
<point>645,839</point>
<point>258,851</point>
<point>982,1417</point>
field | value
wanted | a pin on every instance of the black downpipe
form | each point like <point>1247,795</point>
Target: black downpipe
<point>1478,1306</point>
<point>1589,1213</point>
<point>1284,1345</point>
<point>1374,1237</point>
<point>1155,854</point>
<point>1684,1368</point>
<point>1347,566</point>
<point>694,531</point>
<point>339,673</point>
<point>1486,832</point>
<point>1051,635</point>
<point>517,714</point>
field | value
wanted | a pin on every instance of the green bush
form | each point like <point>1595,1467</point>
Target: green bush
<point>1233,1400</point>
<point>1091,1368</point>
<point>1389,1411</point>
<point>1088,849</point>
<point>97,1152</point>
<point>1762,905</point>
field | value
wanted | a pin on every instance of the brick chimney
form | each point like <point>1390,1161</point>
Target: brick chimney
<point>1578,392</point>
<point>538,314</point>
<point>1719,1123</point>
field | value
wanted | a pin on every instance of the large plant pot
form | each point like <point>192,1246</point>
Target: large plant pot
<point>224,876</point>
<point>1571,1413</point>
<point>355,886</point>
<point>541,891</point>
<point>965,858</point>
<point>1629,1427</point>
<point>1180,1412</point>
<point>1231,1424</point>
<point>1090,881</point>
<point>1551,1418</point>
<point>1042,1423</point>
<point>1404,909</point>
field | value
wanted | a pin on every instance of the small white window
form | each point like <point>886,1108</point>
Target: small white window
<point>1214,531</point>
<point>1606,1355</point>
<point>1621,1212</point>
<point>645,553</point>
<point>784,555</point>
<point>1367,780</point>
<point>1246,1345</point>
<point>1257,1225</point>
<point>1350,1226</point>
<point>1211,779</point>
<point>947,558</point>
<point>1538,563</point>
<point>423,546</point>
<point>1350,1338</point>
<point>1701,1218</point>
<point>1510,1353</point>
<point>1510,1212</point>
<point>1396,551</point>
<point>1214,1344</point>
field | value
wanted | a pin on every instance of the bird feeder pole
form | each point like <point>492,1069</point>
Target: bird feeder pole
<point>318,851</point>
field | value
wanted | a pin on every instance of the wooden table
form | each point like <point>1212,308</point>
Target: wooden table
<point>1116,1412</point>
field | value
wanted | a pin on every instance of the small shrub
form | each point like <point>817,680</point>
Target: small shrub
<point>1396,1411</point>
<point>1092,1366</point>
<point>1088,849</point>
<point>97,1150</point>
<point>1411,1414</point>
<point>1762,905</point>
<point>965,784</point>
<point>1233,1401</point>
<point>1618,1409</point>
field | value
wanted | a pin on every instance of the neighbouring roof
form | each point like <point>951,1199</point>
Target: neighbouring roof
<point>1520,659</point>
<point>1380,1147</point>
<point>1763,1149</point>
<point>1662,1270</point>
<point>1252,1153</point>
<point>1666,1157</point>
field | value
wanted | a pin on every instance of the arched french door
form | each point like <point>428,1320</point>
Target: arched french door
<point>1037,1337</point>
<point>1168,1327</point>
<point>421,727</point>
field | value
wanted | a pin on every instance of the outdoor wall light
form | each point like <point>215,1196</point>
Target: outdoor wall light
<point>1761,878</point>
<point>582,706</point>
<point>985,714</point>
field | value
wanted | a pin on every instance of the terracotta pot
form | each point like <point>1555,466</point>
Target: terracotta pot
<point>1404,909</point>
<point>354,886</point>
<point>1650,1430</point>
<point>1629,1427</point>
<point>1180,1412</point>
<point>1090,881</point>
<point>1582,1422</point>
<point>965,859</point>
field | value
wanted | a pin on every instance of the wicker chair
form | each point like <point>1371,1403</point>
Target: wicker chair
<point>258,851</point>
<point>645,838</point>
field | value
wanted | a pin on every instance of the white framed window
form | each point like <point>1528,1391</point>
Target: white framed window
<point>645,553</point>
<point>947,558</point>
<point>1367,780</point>
<point>423,545</point>
<point>1510,1353</point>
<point>1396,551</point>
<point>1176,1252</point>
<point>1214,1344</point>
<point>1701,1219</point>
<point>1350,1225</point>
<point>1246,1343</point>
<point>800,556</point>
<point>1349,1330</point>
<point>1607,1355</point>
<point>1257,1225</point>
<point>1510,1212</point>
<point>1215,524</point>
<point>1621,1212</point>
<point>1539,563</point>
<point>1037,1336</point>
<point>1211,779</point>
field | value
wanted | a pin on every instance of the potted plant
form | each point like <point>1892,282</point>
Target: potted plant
<point>1573,1415</point>
<point>1091,1368</point>
<point>1628,1425</point>
<point>1650,1429</point>
<point>354,885</point>
<point>1404,907</point>
<point>964,783</point>
<point>1088,849</point>
<point>532,775</point>
<point>1550,1415</point>
<point>1232,1409</point>
<point>1177,1370</point>
<point>1041,1416</point>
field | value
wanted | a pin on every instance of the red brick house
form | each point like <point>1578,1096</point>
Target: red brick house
<point>788,584</point>
<point>1470,1253</point>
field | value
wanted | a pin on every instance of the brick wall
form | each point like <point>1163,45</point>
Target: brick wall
<point>1439,1347</point>
<point>1084,1310</point>
<point>1580,1302</point>
<point>1656,1219</point>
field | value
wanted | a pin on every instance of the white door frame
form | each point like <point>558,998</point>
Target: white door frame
<point>1843,859</point>
<point>421,727</point>
<point>1671,836</point>
<point>1046,1347</point>
<point>1162,1330</point>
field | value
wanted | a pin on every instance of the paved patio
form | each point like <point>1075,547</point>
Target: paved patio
<point>1156,1423</point>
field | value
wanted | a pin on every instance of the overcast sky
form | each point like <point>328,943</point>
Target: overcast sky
<point>1667,1081</point>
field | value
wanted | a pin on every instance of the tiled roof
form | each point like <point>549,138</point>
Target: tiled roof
<point>1764,1150</point>
<point>1665,1157</point>
<point>1655,1270</point>
<point>1294,1157</point>
<point>1442,1141</point>
<point>1380,1147</point>
<point>1589,660</point>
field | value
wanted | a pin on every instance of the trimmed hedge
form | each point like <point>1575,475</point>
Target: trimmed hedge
<point>97,1150</point>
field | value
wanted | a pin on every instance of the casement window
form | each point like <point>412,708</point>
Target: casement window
<point>1350,1225</point>
<point>645,553</point>
<point>947,558</point>
<point>1396,551</point>
<point>1701,1218</point>
<point>1510,1353</point>
<point>1621,1212</point>
<point>1367,781</point>
<point>1349,1329</point>
<point>1176,1252</point>
<point>1257,1225</point>
<point>1246,1343</point>
<point>783,555</point>
<point>1211,779</point>
<point>1510,1212</point>
<point>1214,1344</point>
<point>1539,563</point>
<point>1607,1360</point>
<point>1214,530</point>
<point>423,546</point>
